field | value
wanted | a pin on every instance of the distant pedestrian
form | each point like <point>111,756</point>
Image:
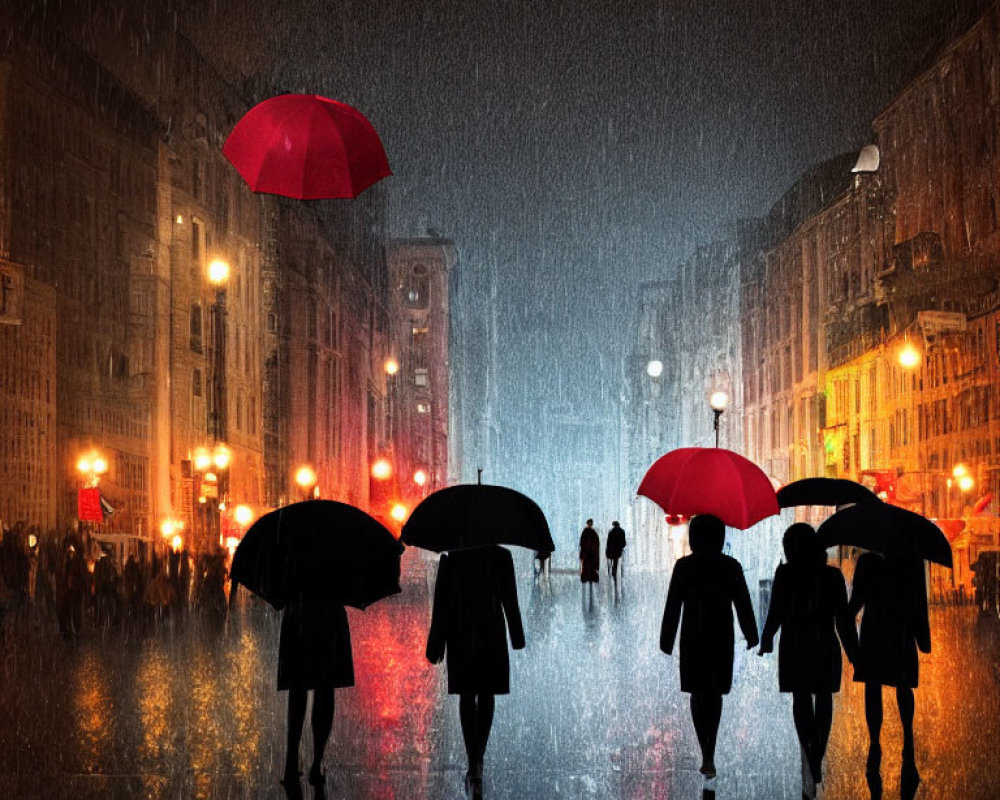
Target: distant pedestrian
<point>542,558</point>
<point>474,595</point>
<point>614,548</point>
<point>590,554</point>
<point>809,606</point>
<point>893,593</point>
<point>705,586</point>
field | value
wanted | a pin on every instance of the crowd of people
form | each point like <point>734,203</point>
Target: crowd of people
<point>66,578</point>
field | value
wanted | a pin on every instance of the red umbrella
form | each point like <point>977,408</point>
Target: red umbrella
<point>710,480</point>
<point>306,146</point>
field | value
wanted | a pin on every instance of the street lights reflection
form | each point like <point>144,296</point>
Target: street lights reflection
<point>305,479</point>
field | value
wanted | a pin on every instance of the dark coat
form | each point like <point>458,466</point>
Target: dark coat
<point>590,556</point>
<point>705,586</point>
<point>475,591</point>
<point>807,602</point>
<point>615,543</point>
<point>314,648</point>
<point>893,594</point>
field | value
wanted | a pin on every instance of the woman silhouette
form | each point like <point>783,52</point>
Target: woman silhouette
<point>893,594</point>
<point>475,591</point>
<point>809,605</point>
<point>705,586</point>
<point>314,653</point>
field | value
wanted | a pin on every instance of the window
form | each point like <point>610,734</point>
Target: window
<point>423,408</point>
<point>196,383</point>
<point>420,377</point>
<point>196,327</point>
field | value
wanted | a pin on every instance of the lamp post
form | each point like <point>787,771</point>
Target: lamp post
<point>218,276</point>
<point>718,401</point>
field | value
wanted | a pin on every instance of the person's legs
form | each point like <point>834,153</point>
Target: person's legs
<point>322,724</point>
<point>706,712</point>
<point>296,715</point>
<point>805,725</point>
<point>824,721</point>
<point>909,777</point>
<point>484,723</point>
<point>467,716</point>
<point>873,718</point>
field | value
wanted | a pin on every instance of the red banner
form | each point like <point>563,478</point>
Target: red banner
<point>88,505</point>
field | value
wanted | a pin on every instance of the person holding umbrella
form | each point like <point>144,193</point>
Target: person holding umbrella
<point>706,585</point>
<point>893,594</point>
<point>309,560</point>
<point>475,597</point>
<point>889,586</point>
<point>809,606</point>
<point>474,593</point>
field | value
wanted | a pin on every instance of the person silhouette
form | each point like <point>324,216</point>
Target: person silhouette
<point>892,591</point>
<point>474,592</point>
<point>809,606</point>
<point>614,548</point>
<point>314,654</point>
<point>590,554</point>
<point>706,585</point>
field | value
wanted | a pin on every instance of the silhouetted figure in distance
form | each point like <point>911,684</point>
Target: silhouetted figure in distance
<point>704,587</point>
<point>474,593</point>
<point>590,554</point>
<point>614,548</point>
<point>809,606</point>
<point>893,594</point>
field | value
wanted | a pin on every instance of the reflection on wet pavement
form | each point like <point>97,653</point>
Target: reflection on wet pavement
<point>189,711</point>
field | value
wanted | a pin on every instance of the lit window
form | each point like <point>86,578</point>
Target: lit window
<point>423,408</point>
<point>420,377</point>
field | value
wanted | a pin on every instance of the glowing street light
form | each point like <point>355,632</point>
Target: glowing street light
<point>221,457</point>
<point>654,369</point>
<point>305,479</point>
<point>420,477</point>
<point>243,515</point>
<point>398,512</point>
<point>91,467</point>
<point>218,272</point>
<point>382,469</point>
<point>391,366</point>
<point>908,356</point>
<point>718,401</point>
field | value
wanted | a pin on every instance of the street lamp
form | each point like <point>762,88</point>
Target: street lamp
<point>718,401</point>
<point>305,479</point>
<point>382,469</point>
<point>91,467</point>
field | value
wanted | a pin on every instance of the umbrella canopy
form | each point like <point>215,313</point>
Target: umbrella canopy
<point>307,147</point>
<point>472,515</point>
<point>824,492</point>
<point>318,550</point>
<point>887,529</point>
<point>710,480</point>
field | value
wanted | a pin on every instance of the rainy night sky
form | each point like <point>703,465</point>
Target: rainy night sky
<point>579,148</point>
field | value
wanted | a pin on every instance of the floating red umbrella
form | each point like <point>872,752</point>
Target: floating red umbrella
<point>710,480</point>
<point>307,147</point>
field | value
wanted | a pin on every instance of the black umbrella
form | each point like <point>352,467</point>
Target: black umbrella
<point>887,529</point>
<point>471,515</point>
<point>318,550</point>
<point>824,492</point>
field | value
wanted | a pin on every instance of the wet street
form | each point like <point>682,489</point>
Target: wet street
<point>184,711</point>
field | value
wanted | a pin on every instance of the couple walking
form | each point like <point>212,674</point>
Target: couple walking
<point>590,552</point>
<point>809,605</point>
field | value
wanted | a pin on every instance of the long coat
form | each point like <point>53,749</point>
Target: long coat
<point>474,593</point>
<point>590,556</point>
<point>894,597</point>
<point>706,586</point>
<point>809,605</point>
<point>615,543</point>
<point>314,647</point>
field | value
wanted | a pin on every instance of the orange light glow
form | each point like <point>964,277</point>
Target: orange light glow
<point>420,477</point>
<point>398,512</point>
<point>382,469</point>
